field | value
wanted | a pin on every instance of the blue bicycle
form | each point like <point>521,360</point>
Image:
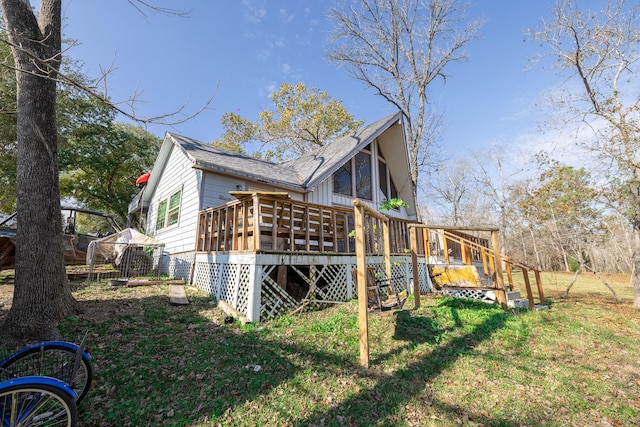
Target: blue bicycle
<point>42,384</point>
<point>63,360</point>
<point>37,401</point>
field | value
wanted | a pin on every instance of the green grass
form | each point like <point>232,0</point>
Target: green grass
<point>451,362</point>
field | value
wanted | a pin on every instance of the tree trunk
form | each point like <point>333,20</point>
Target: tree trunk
<point>636,269</point>
<point>41,294</point>
<point>573,281</point>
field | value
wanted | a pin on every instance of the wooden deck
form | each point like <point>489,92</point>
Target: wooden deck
<point>284,225</point>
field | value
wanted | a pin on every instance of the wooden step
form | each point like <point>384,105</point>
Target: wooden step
<point>177,295</point>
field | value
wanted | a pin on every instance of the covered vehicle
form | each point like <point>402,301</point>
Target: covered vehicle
<point>81,227</point>
<point>128,250</point>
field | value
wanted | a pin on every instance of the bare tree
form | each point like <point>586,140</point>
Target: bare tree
<point>600,50</point>
<point>455,192</point>
<point>494,177</point>
<point>41,295</point>
<point>399,48</point>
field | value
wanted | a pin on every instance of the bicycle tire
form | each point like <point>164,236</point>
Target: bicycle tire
<point>52,359</point>
<point>35,402</point>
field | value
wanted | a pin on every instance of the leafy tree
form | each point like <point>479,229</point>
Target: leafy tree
<point>560,209</point>
<point>600,51</point>
<point>101,161</point>
<point>76,112</point>
<point>41,295</point>
<point>399,48</point>
<point>8,137</point>
<point>303,119</point>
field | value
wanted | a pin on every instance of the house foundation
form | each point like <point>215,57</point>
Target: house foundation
<point>263,286</point>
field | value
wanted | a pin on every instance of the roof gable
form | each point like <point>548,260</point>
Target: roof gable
<point>302,174</point>
<point>316,166</point>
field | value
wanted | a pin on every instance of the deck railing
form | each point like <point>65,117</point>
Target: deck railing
<point>264,222</point>
<point>449,243</point>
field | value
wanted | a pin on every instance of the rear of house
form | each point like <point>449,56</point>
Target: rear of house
<point>263,236</point>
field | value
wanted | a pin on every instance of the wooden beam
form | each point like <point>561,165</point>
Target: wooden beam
<point>177,295</point>
<point>361,273</point>
<point>497,261</point>
<point>414,265</point>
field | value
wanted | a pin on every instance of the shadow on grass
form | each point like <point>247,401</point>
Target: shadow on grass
<point>385,403</point>
<point>157,364</point>
<point>160,364</point>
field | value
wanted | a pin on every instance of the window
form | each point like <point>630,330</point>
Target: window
<point>382,167</point>
<point>363,176</point>
<point>342,180</point>
<point>168,211</point>
<point>355,173</point>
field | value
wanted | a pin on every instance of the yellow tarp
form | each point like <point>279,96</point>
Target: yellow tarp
<point>454,275</point>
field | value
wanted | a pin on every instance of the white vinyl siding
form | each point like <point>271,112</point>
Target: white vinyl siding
<point>180,181</point>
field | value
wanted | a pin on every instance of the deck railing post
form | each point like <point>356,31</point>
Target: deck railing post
<point>536,272</point>
<point>361,267</point>
<point>414,265</point>
<point>497,265</point>
<point>256,222</point>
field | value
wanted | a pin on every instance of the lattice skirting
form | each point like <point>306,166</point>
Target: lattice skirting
<point>248,282</point>
<point>178,266</point>
<point>479,294</point>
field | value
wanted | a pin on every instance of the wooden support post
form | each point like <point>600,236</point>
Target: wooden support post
<point>256,223</point>
<point>414,265</point>
<point>509,276</point>
<point>292,235</point>
<point>282,276</point>
<point>274,226</point>
<point>387,249</point>
<point>234,228</point>
<point>361,272</point>
<point>527,285</point>
<point>497,265</point>
<point>306,224</point>
<point>539,285</point>
<point>334,230</point>
<point>425,242</point>
<point>445,248</point>
<point>483,255</point>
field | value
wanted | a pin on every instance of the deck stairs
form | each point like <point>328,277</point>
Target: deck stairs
<point>514,298</point>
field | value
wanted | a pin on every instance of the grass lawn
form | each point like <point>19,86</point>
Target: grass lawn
<point>451,362</point>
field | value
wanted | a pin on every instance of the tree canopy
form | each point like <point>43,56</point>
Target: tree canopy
<point>599,51</point>
<point>302,119</point>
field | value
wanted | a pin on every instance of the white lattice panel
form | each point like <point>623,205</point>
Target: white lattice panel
<point>244,287</point>
<point>227,282</point>
<point>274,301</point>
<point>180,265</point>
<point>479,294</point>
<point>230,279</point>
<point>205,277</point>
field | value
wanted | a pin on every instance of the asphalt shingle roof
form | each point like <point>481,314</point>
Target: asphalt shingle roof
<point>303,173</point>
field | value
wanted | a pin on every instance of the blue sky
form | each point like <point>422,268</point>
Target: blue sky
<point>243,50</point>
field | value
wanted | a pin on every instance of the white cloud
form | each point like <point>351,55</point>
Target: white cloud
<point>285,16</point>
<point>255,11</point>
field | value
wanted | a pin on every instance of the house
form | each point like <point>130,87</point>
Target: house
<point>259,235</point>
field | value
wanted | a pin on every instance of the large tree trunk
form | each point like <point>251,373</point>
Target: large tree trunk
<point>41,294</point>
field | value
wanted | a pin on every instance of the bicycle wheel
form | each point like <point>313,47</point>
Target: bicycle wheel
<point>36,404</point>
<point>52,359</point>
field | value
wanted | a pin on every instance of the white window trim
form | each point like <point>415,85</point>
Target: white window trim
<point>167,199</point>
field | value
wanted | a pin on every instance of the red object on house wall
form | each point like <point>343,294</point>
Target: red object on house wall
<point>142,179</point>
